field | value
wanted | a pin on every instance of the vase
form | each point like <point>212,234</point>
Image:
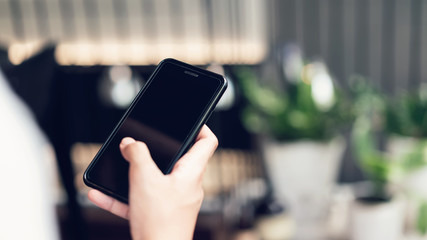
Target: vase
<point>303,175</point>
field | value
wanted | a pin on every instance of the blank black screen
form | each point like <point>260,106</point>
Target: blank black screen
<point>163,116</point>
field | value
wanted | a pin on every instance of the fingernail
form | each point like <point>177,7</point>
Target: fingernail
<point>127,140</point>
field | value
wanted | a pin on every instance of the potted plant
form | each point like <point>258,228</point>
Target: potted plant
<point>376,213</point>
<point>379,208</point>
<point>407,125</point>
<point>298,126</point>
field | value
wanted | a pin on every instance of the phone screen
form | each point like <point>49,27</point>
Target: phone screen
<point>164,115</point>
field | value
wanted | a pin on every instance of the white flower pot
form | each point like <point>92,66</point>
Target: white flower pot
<point>414,184</point>
<point>303,174</point>
<point>374,221</point>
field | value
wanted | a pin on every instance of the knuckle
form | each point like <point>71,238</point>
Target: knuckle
<point>214,141</point>
<point>198,196</point>
<point>201,195</point>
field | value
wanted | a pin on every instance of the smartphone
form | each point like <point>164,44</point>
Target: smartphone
<point>167,115</point>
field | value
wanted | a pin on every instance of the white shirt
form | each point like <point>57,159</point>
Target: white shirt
<point>26,195</point>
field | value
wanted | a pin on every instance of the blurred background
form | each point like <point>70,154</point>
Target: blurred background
<point>322,130</point>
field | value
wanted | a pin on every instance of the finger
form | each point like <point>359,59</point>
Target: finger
<point>108,203</point>
<point>138,155</point>
<point>125,141</point>
<point>205,132</point>
<point>196,159</point>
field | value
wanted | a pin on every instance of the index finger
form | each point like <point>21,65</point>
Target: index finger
<point>196,159</point>
<point>108,203</point>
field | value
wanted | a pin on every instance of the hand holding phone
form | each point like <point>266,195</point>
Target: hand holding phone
<point>162,206</point>
<point>167,114</point>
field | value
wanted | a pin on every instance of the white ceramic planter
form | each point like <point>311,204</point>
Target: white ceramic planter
<point>303,174</point>
<point>414,184</point>
<point>377,221</point>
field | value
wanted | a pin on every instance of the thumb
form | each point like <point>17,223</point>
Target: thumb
<point>138,156</point>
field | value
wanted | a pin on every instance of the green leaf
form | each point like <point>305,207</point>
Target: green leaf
<point>415,159</point>
<point>422,218</point>
<point>287,113</point>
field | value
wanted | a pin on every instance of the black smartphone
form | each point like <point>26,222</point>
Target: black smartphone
<point>167,114</point>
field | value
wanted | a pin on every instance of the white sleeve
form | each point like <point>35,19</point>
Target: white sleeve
<point>27,198</point>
